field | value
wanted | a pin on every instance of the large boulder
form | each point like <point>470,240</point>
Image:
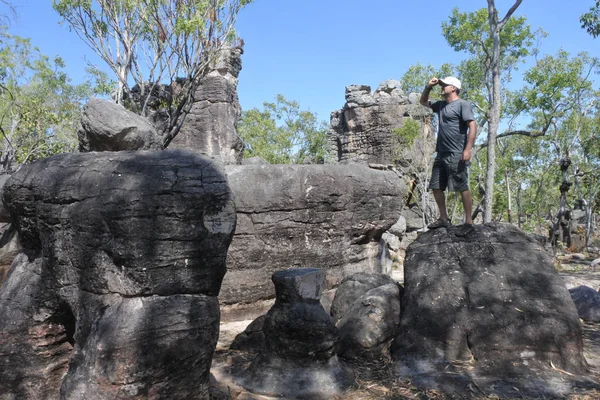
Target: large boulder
<point>369,325</point>
<point>107,126</point>
<point>352,288</point>
<point>304,216</point>
<point>123,258</point>
<point>587,301</point>
<point>491,298</point>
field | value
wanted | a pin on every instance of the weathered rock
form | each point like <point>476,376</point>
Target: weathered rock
<point>399,228</point>
<point>4,214</point>
<point>254,161</point>
<point>252,339</point>
<point>107,126</point>
<point>391,241</point>
<point>492,296</point>
<point>127,251</point>
<point>299,359</point>
<point>36,332</point>
<point>364,129</point>
<point>9,248</point>
<point>210,127</point>
<point>352,288</point>
<point>291,216</point>
<point>587,301</point>
<point>370,324</point>
<point>414,219</point>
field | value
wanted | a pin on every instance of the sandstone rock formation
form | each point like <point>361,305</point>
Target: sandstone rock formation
<point>587,301</point>
<point>299,359</point>
<point>210,127</point>
<point>369,325</point>
<point>107,126</point>
<point>489,298</point>
<point>304,216</point>
<point>352,288</point>
<point>114,295</point>
<point>364,129</point>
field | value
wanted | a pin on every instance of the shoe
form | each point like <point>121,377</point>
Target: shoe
<point>440,223</point>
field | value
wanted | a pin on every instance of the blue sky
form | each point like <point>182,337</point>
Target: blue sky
<point>310,50</point>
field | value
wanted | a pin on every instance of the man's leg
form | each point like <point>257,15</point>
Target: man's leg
<point>440,200</point>
<point>467,201</point>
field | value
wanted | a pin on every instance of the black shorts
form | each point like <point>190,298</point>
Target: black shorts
<point>449,171</point>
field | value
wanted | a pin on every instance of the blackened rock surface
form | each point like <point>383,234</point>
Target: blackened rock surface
<point>157,347</point>
<point>107,126</point>
<point>587,301</point>
<point>298,360</point>
<point>352,288</point>
<point>306,216</point>
<point>490,295</point>
<point>35,343</point>
<point>132,249</point>
<point>142,223</point>
<point>370,324</point>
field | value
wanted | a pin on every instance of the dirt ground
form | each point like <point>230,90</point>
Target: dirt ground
<point>377,380</point>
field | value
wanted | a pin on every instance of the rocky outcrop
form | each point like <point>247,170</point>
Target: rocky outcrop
<point>298,360</point>
<point>9,248</point>
<point>352,288</point>
<point>370,323</point>
<point>302,216</point>
<point>489,298</point>
<point>115,293</point>
<point>211,125</point>
<point>107,126</point>
<point>366,128</point>
<point>587,301</point>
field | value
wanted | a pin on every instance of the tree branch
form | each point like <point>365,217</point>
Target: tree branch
<point>509,14</point>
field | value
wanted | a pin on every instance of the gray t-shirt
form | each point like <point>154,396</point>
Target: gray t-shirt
<point>453,125</point>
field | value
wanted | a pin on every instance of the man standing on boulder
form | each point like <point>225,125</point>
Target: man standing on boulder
<point>457,131</point>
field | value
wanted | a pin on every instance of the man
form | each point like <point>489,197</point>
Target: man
<point>456,136</point>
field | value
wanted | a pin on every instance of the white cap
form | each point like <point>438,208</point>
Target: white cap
<point>450,80</point>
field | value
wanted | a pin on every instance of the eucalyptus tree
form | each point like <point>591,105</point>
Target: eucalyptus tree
<point>417,76</point>
<point>561,100</point>
<point>151,42</point>
<point>590,21</point>
<point>282,133</point>
<point>496,46</point>
<point>39,107</point>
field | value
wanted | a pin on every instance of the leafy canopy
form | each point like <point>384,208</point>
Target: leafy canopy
<point>590,21</point>
<point>39,107</point>
<point>282,133</point>
<point>151,42</point>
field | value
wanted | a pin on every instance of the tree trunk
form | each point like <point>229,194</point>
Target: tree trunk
<point>494,112</point>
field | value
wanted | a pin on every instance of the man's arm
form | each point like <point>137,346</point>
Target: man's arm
<point>424,100</point>
<point>466,156</point>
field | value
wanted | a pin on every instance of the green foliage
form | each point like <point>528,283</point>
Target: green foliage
<point>408,132</point>
<point>281,133</point>
<point>39,107</point>
<point>555,87</point>
<point>150,42</point>
<point>470,32</point>
<point>590,21</point>
<point>417,76</point>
